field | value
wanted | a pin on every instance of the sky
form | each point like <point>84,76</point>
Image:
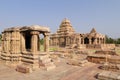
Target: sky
<point>103,15</point>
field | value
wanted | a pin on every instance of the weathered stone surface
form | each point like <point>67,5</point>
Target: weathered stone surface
<point>111,67</point>
<point>101,58</point>
<point>21,45</point>
<point>77,62</point>
<point>45,62</point>
<point>108,52</point>
<point>24,68</point>
<point>108,75</point>
<point>63,71</point>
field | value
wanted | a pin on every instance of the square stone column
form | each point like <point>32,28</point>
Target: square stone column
<point>13,41</point>
<point>46,42</point>
<point>82,40</point>
<point>23,42</point>
<point>90,41</point>
<point>2,42</point>
<point>95,41</point>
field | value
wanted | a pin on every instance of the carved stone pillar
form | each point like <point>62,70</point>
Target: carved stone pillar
<point>23,42</point>
<point>46,42</point>
<point>55,41</point>
<point>79,40</point>
<point>9,39</point>
<point>103,40</point>
<point>34,41</point>
<point>18,41</point>
<point>39,42</point>
<point>90,41</point>
<point>2,42</point>
<point>95,42</point>
<point>99,41</point>
<point>82,40</point>
<point>13,41</point>
<point>7,43</point>
<point>51,42</point>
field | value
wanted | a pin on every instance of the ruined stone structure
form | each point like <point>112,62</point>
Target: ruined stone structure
<point>66,36</point>
<point>103,56</point>
<point>20,45</point>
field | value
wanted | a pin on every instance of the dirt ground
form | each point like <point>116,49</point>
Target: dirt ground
<point>63,71</point>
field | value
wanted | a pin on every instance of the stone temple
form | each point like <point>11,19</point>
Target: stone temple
<point>66,36</point>
<point>21,47</point>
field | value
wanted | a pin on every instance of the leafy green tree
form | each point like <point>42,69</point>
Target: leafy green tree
<point>42,41</point>
<point>109,40</point>
<point>118,41</point>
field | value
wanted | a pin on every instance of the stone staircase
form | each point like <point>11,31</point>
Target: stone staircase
<point>32,62</point>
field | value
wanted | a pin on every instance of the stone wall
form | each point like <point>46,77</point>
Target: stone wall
<point>93,46</point>
<point>11,46</point>
<point>100,46</point>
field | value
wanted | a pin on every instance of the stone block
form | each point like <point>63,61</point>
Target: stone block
<point>23,69</point>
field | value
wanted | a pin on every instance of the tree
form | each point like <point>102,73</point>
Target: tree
<point>118,41</point>
<point>109,40</point>
<point>42,41</point>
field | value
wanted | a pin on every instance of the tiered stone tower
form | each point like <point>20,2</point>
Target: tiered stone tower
<point>65,27</point>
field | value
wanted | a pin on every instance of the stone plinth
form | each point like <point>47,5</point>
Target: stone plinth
<point>31,59</point>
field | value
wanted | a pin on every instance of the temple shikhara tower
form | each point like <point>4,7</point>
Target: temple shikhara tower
<point>66,36</point>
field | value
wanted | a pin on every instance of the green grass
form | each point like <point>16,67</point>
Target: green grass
<point>41,48</point>
<point>53,49</point>
<point>50,48</point>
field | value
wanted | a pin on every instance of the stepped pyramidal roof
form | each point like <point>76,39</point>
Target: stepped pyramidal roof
<point>93,30</point>
<point>65,27</point>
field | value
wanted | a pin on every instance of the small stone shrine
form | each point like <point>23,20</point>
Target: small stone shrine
<point>21,47</point>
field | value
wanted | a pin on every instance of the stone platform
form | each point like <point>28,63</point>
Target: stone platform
<point>62,71</point>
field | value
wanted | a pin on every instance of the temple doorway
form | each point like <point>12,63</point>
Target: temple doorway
<point>86,41</point>
<point>93,39</point>
<point>27,40</point>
